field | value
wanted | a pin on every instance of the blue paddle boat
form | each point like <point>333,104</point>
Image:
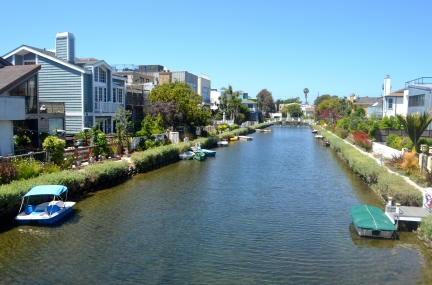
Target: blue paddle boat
<point>208,152</point>
<point>47,212</point>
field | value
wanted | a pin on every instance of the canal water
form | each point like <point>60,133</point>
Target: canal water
<point>274,210</point>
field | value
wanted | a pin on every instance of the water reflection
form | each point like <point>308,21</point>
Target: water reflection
<point>274,210</point>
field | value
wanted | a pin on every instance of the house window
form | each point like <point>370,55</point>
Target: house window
<point>29,62</point>
<point>120,95</point>
<point>102,74</point>
<point>105,94</point>
<point>390,103</point>
<point>100,94</point>
<point>96,74</point>
<point>416,101</point>
<point>114,95</point>
<point>96,94</point>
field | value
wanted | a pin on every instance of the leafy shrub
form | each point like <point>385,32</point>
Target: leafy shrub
<point>426,226</point>
<point>8,172</point>
<point>398,142</point>
<point>27,167</point>
<point>390,138</point>
<point>233,127</point>
<point>395,161</point>
<point>342,133</point>
<point>425,141</point>
<point>55,146</point>
<point>411,163</point>
<point>362,140</point>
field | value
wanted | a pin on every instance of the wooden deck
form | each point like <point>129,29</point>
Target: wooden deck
<point>406,213</point>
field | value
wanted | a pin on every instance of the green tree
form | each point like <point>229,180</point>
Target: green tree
<point>321,98</point>
<point>187,102</point>
<point>294,110</point>
<point>124,127</point>
<point>265,101</point>
<point>306,91</point>
<point>414,125</point>
<point>56,149</point>
<point>292,100</point>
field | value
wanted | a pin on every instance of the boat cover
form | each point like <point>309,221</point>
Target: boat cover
<point>371,217</point>
<point>47,190</point>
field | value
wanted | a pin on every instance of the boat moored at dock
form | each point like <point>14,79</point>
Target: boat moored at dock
<point>370,221</point>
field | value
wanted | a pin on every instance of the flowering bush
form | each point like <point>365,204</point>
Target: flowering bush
<point>362,140</point>
<point>410,164</point>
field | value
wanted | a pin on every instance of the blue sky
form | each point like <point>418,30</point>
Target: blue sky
<point>330,47</point>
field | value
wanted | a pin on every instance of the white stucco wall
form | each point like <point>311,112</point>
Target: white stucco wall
<point>6,138</point>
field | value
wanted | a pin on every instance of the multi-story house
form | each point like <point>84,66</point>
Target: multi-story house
<point>90,92</point>
<point>418,92</point>
<point>393,103</point>
<point>18,102</point>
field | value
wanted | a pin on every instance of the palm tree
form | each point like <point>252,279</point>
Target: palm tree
<point>306,91</point>
<point>414,125</point>
<point>233,100</point>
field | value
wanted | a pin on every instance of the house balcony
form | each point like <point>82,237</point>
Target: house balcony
<point>419,81</point>
<point>106,107</point>
<point>252,110</point>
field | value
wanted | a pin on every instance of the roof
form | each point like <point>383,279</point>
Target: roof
<point>4,62</point>
<point>367,100</point>
<point>249,102</point>
<point>49,54</point>
<point>11,76</point>
<point>371,218</point>
<point>397,93</point>
<point>86,61</point>
<point>47,190</point>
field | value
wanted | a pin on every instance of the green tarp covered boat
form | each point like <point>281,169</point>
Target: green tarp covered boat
<point>372,222</point>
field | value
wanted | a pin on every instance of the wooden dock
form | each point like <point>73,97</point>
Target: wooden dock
<point>245,138</point>
<point>406,213</point>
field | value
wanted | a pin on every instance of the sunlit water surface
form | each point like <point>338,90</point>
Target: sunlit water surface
<point>274,210</point>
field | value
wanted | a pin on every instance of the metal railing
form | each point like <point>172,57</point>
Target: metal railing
<point>107,107</point>
<point>419,81</point>
<point>41,156</point>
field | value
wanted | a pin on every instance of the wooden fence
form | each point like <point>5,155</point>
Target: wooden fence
<point>381,135</point>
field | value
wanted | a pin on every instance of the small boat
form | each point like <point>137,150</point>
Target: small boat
<point>247,138</point>
<point>235,138</point>
<point>208,152</point>
<point>222,143</point>
<point>187,155</point>
<point>314,131</point>
<point>370,221</point>
<point>326,143</point>
<point>319,137</point>
<point>47,212</point>
<point>199,155</point>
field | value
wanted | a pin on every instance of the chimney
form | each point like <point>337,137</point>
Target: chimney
<point>352,98</point>
<point>387,85</point>
<point>65,46</point>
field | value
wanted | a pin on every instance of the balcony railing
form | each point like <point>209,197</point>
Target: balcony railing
<point>52,108</point>
<point>419,81</point>
<point>106,107</point>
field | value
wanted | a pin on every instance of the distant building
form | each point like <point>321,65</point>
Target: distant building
<point>364,102</point>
